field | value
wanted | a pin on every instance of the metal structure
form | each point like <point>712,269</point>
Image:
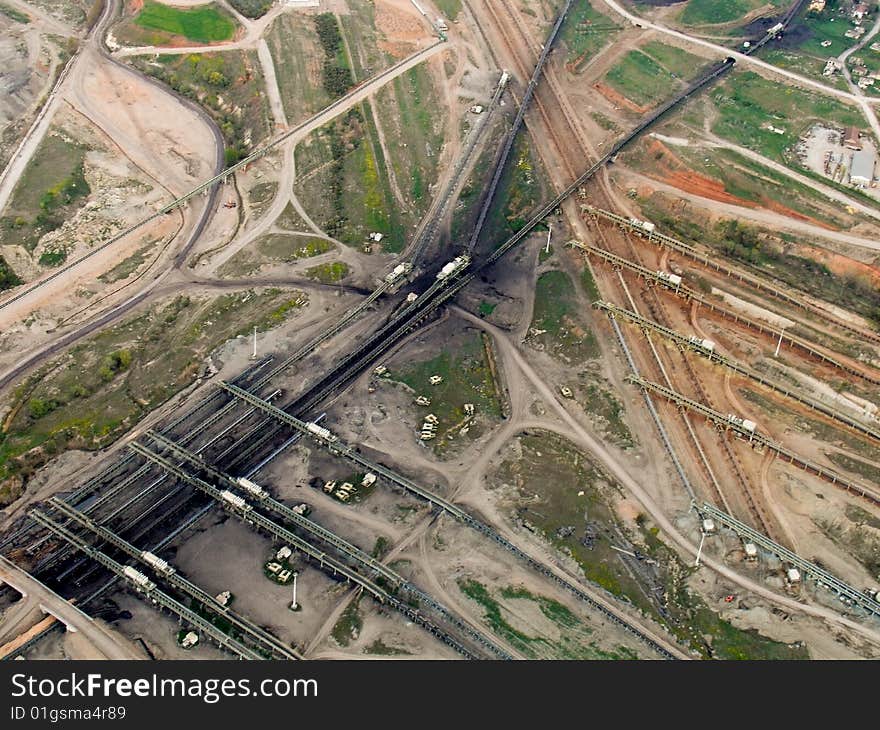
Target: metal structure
<point>142,585</point>
<point>823,578</point>
<point>673,283</point>
<point>692,344</point>
<point>165,572</point>
<point>757,440</point>
<point>776,289</point>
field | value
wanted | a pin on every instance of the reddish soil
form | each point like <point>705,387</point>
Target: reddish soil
<point>674,171</point>
<point>615,97</point>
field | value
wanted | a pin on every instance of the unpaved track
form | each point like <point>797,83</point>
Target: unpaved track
<point>576,433</point>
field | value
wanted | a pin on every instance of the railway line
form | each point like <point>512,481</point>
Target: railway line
<point>674,285</point>
<point>758,440</point>
<point>689,343</point>
<point>326,439</point>
<point>401,323</point>
<point>776,289</point>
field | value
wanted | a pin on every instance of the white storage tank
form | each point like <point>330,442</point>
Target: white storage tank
<point>709,526</point>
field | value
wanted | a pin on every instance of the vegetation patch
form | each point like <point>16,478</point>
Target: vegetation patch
<point>343,182</point>
<point>641,79</point>
<point>228,85</point>
<point>337,76</point>
<point>47,194</point>
<point>349,625</point>
<point>127,266</point>
<point>14,14</point>
<point>95,392</point>
<point>518,194</point>
<point>299,61</point>
<point>203,24</point>
<point>8,277</point>
<point>747,105</point>
<point>585,32</point>
<point>566,636</point>
<point>328,273</point>
<point>252,8</point>
<point>380,648</point>
<point>466,378</point>
<point>556,326</point>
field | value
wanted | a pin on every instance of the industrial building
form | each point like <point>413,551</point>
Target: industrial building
<point>861,171</point>
<point>852,138</point>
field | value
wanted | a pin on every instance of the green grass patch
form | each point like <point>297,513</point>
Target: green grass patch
<point>380,648</point>
<point>518,194</point>
<point>705,12</point>
<point>48,193</point>
<point>467,378</point>
<point>203,24</point>
<point>252,8</point>
<point>298,59</point>
<point>8,277</point>
<point>328,273</point>
<point>562,331</point>
<point>343,183</point>
<point>746,104</point>
<point>14,14</point>
<point>449,8</point>
<point>679,63</point>
<point>641,79</point>
<point>127,266</point>
<point>349,625</point>
<point>585,32</point>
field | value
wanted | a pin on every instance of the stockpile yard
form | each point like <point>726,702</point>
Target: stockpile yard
<point>439,330</point>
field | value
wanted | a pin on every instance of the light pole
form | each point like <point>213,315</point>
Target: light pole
<point>294,606</point>
<point>254,355</point>
<point>549,233</point>
<point>779,344</point>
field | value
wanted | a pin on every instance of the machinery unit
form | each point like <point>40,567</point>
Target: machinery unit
<point>320,432</point>
<point>645,226</point>
<point>744,423</point>
<point>751,551</point>
<point>699,343</point>
<point>368,480</point>
<point>776,29</point>
<point>302,509</point>
<point>397,272</point>
<point>283,553</point>
<point>156,562</point>
<point>138,578</point>
<point>191,639</point>
<point>233,499</point>
<point>793,575</point>
<point>709,526</point>
<point>252,488</point>
<point>458,263</point>
<point>505,77</point>
<point>329,486</point>
<point>223,597</point>
<point>673,280</point>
